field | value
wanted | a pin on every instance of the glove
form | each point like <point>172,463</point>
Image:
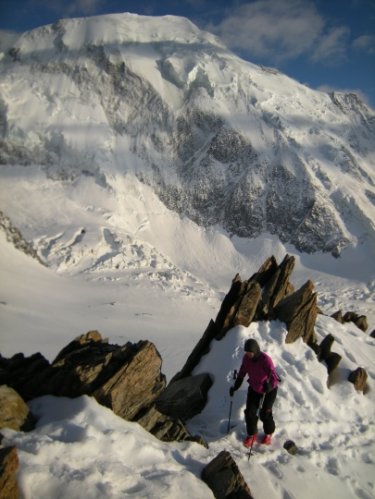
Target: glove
<point>236,386</point>
<point>267,387</point>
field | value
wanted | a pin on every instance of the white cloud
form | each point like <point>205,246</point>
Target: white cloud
<point>277,29</point>
<point>282,30</point>
<point>366,43</point>
<point>332,46</point>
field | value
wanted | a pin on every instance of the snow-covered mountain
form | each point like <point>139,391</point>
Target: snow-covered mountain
<point>96,104</point>
<point>134,153</point>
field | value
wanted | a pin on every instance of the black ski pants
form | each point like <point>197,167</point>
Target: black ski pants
<point>265,415</point>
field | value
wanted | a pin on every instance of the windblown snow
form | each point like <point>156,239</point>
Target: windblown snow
<point>147,165</point>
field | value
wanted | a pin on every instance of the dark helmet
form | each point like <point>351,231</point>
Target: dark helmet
<point>252,346</point>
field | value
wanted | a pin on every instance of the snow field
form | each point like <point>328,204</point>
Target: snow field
<point>124,264</point>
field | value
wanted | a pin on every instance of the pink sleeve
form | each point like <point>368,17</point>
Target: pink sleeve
<point>272,371</point>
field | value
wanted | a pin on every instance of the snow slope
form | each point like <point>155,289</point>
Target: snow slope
<point>135,193</point>
<point>221,141</point>
<point>80,448</point>
<point>83,445</point>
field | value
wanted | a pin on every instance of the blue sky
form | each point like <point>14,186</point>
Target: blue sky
<point>326,44</point>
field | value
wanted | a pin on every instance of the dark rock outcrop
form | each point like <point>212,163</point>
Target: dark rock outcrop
<point>361,323</point>
<point>256,298</point>
<point>8,469</point>
<point>275,284</point>
<point>359,379</point>
<point>186,397</point>
<point>325,347</point>
<point>87,339</point>
<point>359,320</point>
<point>90,366</point>
<point>332,361</point>
<point>246,301</point>
<point>225,479</point>
<point>15,237</point>
<point>19,369</point>
<point>267,295</point>
<point>14,413</point>
<point>338,316</point>
<point>135,383</point>
<point>163,427</point>
<point>127,379</point>
<point>247,306</point>
<point>239,306</point>
<point>299,312</point>
<point>323,351</point>
<point>291,447</point>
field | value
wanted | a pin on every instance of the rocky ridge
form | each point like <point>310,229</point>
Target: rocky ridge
<point>128,379</point>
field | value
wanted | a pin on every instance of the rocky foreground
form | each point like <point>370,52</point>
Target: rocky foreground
<point>128,378</point>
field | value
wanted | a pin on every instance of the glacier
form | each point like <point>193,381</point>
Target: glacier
<point>219,140</point>
<point>145,164</point>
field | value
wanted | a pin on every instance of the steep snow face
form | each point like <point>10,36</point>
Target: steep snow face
<point>219,140</point>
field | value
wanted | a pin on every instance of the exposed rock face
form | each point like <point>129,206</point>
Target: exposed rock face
<point>14,413</point>
<point>200,163</point>
<point>262,297</point>
<point>325,347</point>
<point>338,316</point>
<point>359,320</point>
<point>332,361</point>
<point>135,384</point>
<point>89,366</point>
<point>225,479</point>
<point>20,369</point>
<point>164,427</point>
<point>274,280</point>
<point>186,397</point>
<point>84,340</point>
<point>299,311</point>
<point>267,295</point>
<point>256,298</point>
<point>238,307</point>
<point>8,469</point>
<point>15,237</point>
<point>359,379</point>
<point>127,379</point>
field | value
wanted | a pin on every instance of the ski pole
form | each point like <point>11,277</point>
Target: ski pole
<point>257,413</point>
<point>251,448</point>
<point>260,404</point>
<point>231,404</point>
<point>230,415</point>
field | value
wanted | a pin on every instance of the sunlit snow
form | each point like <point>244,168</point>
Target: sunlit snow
<point>124,264</point>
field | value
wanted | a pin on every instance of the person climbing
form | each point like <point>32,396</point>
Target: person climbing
<point>263,380</point>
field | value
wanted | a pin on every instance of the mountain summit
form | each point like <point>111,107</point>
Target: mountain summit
<point>219,140</point>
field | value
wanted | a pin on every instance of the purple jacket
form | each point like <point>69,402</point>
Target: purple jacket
<point>258,371</point>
